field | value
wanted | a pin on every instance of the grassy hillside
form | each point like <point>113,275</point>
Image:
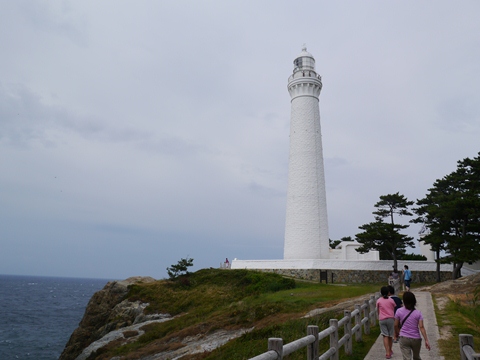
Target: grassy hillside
<point>457,307</point>
<point>213,299</point>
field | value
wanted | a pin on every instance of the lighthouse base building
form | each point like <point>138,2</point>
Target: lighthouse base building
<point>307,253</point>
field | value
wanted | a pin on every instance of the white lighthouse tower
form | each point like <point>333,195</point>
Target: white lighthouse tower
<point>306,226</point>
<point>307,253</point>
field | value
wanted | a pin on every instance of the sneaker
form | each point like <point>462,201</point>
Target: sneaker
<point>395,341</point>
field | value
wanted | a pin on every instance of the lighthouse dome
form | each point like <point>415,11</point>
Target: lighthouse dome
<point>304,61</point>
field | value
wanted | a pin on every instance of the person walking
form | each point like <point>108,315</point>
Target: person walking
<point>408,326</point>
<point>386,314</point>
<point>398,305</point>
<point>407,277</point>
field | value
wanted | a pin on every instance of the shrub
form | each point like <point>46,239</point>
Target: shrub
<point>181,268</point>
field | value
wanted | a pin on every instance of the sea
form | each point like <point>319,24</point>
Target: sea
<point>38,314</point>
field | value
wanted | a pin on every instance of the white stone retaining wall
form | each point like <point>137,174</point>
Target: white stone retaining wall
<point>346,271</point>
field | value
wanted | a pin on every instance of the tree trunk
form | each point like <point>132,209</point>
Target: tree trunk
<point>457,268</point>
<point>439,278</point>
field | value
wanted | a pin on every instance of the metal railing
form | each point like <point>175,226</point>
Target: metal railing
<point>467,351</point>
<point>364,315</point>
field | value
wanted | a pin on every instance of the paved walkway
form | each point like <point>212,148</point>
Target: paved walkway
<point>425,305</point>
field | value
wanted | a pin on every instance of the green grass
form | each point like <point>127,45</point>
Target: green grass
<point>256,342</point>
<point>460,316</point>
<point>212,299</point>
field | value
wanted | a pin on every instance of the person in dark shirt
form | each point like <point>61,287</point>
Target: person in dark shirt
<point>398,304</point>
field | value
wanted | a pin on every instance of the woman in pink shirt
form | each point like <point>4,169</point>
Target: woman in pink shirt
<point>409,325</point>
<point>386,311</point>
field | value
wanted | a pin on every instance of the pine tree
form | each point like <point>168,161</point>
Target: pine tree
<point>181,268</point>
<point>385,236</point>
<point>451,212</point>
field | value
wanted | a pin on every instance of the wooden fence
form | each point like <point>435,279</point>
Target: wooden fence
<point>364,315</point>
<point>466,348</point>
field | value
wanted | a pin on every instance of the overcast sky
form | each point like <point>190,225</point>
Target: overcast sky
<point>136,133</point>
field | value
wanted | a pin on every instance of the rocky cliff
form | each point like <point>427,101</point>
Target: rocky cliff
<point>106,311</point>
<point>111,320</point>
<point>160,320</point>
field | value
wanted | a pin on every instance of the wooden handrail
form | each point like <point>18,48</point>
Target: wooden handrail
<point>467,351</point>
<point>276,349</point>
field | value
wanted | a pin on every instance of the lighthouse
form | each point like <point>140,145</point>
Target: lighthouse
<point>306,224</point>
<point>306,252</point>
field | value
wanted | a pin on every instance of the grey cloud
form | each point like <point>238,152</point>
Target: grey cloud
<point>166,123</point>
<point>25,118</point>
<point>459,114</point>
<point>265,191</point>
<point>57,19</point>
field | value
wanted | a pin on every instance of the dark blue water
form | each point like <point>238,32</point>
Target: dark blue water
<point>38,314</point>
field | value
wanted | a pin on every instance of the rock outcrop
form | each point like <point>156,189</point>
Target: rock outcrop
<point>111,321</point>
<point>106,311</point>
<point>110,317</point>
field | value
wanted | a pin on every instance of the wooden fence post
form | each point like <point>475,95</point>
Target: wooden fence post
<point>358,321</point>
<point>312,349</point>
<point>334,338</point>
<point>464,339</point>
<point>467,339</point>
<point>366,314</point>
<point>347,328</point>
<point>276,344</point>
<point>373,312</point>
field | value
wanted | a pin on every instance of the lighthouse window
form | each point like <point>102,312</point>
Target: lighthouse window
<point>304,63</point>
<point>309,63</point>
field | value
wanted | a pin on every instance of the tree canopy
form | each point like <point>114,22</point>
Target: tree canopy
<point>180,268</point>
<point>451,213</point>
<point>385,236</point>
<point>334,243</point>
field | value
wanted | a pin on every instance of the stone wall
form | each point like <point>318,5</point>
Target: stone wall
<point>357,276</point>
